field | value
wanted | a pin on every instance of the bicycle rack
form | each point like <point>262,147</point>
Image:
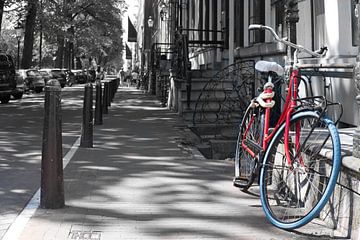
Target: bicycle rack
<point>308,71</point>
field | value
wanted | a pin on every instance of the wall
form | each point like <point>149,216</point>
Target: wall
<point>332,29</point>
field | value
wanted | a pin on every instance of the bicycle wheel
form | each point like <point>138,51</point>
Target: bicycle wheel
<point>251,132</point>
<point>292,196</point>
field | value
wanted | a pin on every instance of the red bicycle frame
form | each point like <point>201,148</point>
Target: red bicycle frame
<point>289,106</point>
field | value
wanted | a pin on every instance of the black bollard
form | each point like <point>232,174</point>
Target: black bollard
<point>86,140</point>
<point>98,104</point>
<point>108,89</point>
<point>112,89</point>
<point>52,179</point>
<point>105,99</point>
<point>117,84</point>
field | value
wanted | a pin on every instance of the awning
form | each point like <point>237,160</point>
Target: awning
<point>132,34</point>
<point>128,52</point>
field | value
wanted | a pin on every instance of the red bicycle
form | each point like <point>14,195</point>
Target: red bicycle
<point>296,178</point>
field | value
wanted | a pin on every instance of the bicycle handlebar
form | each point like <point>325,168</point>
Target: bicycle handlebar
<point>319,53</point>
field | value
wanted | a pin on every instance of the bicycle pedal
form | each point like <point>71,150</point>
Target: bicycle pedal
<point>239,182</point>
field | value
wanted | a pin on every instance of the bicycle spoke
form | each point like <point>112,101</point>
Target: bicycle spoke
<point>246,158</point>
<point>292,192</point>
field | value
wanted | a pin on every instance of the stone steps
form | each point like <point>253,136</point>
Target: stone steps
<point>216,136</point>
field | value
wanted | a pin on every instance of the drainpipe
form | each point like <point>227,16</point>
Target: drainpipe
<point>356,138</point>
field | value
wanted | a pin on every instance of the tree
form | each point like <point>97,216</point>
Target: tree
<point>14,7</point>
<point>29,34</point>
<point>2,4</point>
<point>82,28</point>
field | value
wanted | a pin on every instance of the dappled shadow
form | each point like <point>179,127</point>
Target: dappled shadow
<point>21,129</point>
<point>140,183</point>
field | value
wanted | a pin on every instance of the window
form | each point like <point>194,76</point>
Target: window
<point>201,18</point>
<point>214,15</point>
<point>207,19</point>
<point>279,10</point>
<point>225,22</point>
<point>318,24</point>
<point>239,23</point>
<point>192,20</point>
<point>257,16</point>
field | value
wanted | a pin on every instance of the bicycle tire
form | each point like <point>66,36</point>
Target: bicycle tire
<point>292,197</point>
<point>245,165</point>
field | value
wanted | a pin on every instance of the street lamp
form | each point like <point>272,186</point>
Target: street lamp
<point>150,22</point>
<point>19,33</point>
<point>163,14</point>
<point>150,62</point>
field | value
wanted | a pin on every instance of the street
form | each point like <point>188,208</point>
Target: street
<point>21,124</point>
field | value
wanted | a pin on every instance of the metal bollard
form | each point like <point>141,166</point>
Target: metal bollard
<point>117,83</point>
<point>108,89</point>
<point>87,123</point>
<point>112,89</point>
<point>52,178</point>
<point>105,99</point>
<point>98,104</point>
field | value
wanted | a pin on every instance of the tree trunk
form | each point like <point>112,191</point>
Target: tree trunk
<point>60,52</point>
<point>66,55</point>
<point>2,2</point>
<point>29,34</point>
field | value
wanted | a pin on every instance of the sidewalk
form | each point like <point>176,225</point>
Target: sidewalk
<point>138,182</point>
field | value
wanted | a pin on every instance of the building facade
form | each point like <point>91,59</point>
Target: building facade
<point>217,31</point>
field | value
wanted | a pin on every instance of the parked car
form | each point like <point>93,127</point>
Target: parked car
<point>7,77</point>
<point>32,79</point>
<point>70,76</point>
<point>46,75</point>
<point>80,76</point>
<point>57,74</point>
<point>18,92</point>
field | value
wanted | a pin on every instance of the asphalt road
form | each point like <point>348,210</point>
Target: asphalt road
<point>21,127</point>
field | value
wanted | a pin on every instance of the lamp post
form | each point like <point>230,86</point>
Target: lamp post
<point>152,76</point>
<point>19,33</point>
<point>150,22</point>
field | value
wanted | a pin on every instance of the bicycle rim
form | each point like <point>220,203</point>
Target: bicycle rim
<point>245,164</point>
<point>292,196</point>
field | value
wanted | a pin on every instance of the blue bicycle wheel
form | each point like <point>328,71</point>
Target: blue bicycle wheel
<point>292,195</point>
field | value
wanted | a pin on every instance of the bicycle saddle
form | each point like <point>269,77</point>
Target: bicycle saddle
<point>265,67</point>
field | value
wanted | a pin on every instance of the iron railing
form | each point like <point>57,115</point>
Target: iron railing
<point>225,97</point>
<point>160,69</point>
<point>192,38</point>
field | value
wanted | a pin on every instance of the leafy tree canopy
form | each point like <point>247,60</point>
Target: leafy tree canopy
<point>93,26</point>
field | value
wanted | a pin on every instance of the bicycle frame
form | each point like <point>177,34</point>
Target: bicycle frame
<point>290,101</point>
<point>289,106</point>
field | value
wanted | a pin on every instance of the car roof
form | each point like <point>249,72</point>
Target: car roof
<point>28,69</point>
<point>51,69</point>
